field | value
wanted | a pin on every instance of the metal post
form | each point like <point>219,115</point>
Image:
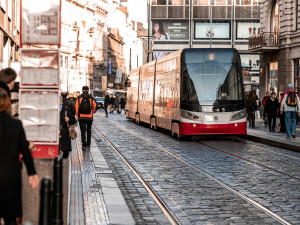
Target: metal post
<point>57,195</point>
<point>190,22</point>
<point>211,2</point>
<point>45,202</point>
<point>148,52</point>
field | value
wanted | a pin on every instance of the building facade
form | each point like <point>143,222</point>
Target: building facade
<point>82,43</point>
<point>278,45</point>
<point>178,24</point>
<point>9,34</point>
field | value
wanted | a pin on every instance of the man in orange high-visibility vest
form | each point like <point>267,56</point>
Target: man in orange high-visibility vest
<point>85,108</point>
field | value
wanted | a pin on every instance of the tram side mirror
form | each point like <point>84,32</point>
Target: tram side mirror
<point>127,83</point>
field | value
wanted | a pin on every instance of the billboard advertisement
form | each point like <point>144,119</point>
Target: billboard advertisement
<point>40,23</point>
<point>170,30</point>
<point>218,30</point>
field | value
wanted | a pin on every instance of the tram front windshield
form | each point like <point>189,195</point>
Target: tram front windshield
<point>211,78</point>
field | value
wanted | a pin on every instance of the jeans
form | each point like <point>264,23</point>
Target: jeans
<point>85,127</point>
<point>290,123</point>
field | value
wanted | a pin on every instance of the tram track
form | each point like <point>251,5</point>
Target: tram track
<point>222,184</point>
<point>168,213</point>
<point>248,160</point>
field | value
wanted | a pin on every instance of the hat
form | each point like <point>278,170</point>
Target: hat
<point>85,88</point>
<point>290,86</point>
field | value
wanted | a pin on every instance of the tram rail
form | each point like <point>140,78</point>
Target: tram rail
<point>168,213</point>
<point>247,160</point>
<point>222,184</point>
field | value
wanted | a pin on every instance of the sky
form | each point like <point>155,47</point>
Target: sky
<point>137,10</point>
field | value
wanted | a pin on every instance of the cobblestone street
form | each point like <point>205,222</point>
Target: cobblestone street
<point>266,175</point>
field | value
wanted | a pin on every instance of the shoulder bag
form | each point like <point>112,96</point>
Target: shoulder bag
<point>72,131</point>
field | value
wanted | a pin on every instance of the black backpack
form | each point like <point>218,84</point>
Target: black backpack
<point>85,106</point>
<point>291,99</point>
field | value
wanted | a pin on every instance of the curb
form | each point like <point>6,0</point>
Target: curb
<point>284,145</point>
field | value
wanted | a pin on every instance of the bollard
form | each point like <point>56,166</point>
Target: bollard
<point>57,194</point>
<point>45,202</point>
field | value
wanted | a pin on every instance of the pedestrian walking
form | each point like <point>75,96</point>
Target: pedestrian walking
<point>116,104</point>
<point>68,103</point>
<point>13,143</point>
<point>251,105</point>
<point>85,106</point>
<point>106,103</point>
<point>264,102</point>
<point>271,108</point>
<point>67,115</point>
<point>72,99</point>
<point>291,106</point>
<point>282,116</point>
<point>111,103</point>
<point>7,79</point>
<point>122,103</point>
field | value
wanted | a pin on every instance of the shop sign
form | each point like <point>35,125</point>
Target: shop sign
<point>40,22</point>
<point>218,30</point>
<point>118,79</point>
<point>170,30</point>
<point>109,67</point>
<point>104,83</point>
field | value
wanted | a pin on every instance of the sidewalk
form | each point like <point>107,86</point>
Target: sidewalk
<point>262,134</point>
<point>95,197</point>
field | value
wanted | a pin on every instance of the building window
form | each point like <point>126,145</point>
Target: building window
<point>219,30</point>
<point>247,29</point>
<point>275,23</point>
<point>273,77</point>
<point>161,2</point>
<point>176,2</point>
<point>297,75</point>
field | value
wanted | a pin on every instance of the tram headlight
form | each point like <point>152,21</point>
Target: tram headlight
<point>239,115</point>
<point>190,116</point>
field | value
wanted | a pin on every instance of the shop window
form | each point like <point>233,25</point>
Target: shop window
<point>273,77</point>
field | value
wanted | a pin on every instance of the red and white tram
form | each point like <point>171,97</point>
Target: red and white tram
<point>190,92</point>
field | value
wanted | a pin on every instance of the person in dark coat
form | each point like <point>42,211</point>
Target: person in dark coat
<point>65,139</point>
<point>13,143</point>
<point>106,103</point>
<point>282,117</point>
<point>116,104</point>
<point>68,102</point>
<point>251,105</point>
<point>122,103</point>
<point>271,108</point>
<point>111,103</point>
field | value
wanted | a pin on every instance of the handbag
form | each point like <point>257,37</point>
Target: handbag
<point>72,131</point>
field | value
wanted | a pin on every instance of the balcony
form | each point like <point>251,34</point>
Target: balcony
<point>264,42</point>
